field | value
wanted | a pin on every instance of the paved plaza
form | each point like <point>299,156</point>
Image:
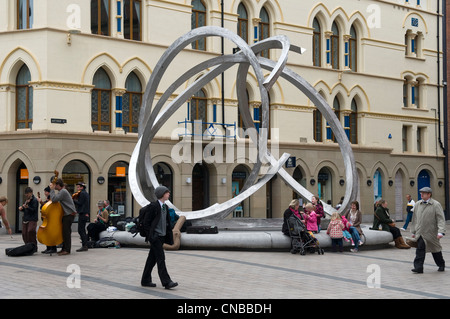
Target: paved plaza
<point>115,273</point>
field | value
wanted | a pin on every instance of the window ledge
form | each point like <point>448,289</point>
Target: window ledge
<point>411,108</point>
<point>414,58</point>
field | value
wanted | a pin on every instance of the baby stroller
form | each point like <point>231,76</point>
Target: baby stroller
<point>302,240</point>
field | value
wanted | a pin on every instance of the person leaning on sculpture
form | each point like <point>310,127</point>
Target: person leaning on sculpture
<point>428,227</point>
<point>382,217</point>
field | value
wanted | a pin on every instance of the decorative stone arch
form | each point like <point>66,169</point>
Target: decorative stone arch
<point>362,99</point>
<point>87,159</point>
<point>401,166</point>
<point>383,169</point>
<point>273,9</point>
<point>14,61</point>
<point>339,17</point>
<point>322,14</point>
<point>118,157</point>
<point>18,156</point>
<point>103,60</point>
<point>360,23</point>
<point>139,67</point>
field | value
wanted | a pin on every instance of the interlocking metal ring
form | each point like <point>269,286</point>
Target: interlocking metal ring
<point>142,177</point>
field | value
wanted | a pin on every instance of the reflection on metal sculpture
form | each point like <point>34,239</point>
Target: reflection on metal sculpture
<point>141,174</point>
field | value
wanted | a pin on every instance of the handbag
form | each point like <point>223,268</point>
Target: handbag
<point>390,224</point>
<point>411,242</point>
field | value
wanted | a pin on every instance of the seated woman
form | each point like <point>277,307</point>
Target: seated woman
<point>292,209</point>
<point>354,216</point>
<point>100,223</point>
<point>382,217</point>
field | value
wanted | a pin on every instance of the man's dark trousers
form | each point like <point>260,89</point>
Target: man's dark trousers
<point>82,221</point>
<point>420,255</point>
<point>156,257</point>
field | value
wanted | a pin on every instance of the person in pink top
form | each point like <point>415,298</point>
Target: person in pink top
<point>311,218</point>
<point>334,230</point>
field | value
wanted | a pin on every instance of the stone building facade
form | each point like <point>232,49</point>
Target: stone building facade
<point>73,74</point>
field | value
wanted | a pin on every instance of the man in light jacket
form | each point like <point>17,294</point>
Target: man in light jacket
<point>428,227</point>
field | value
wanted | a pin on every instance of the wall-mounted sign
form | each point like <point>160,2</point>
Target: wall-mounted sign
<point>291,162</point>
<point>24,173</point>
<point>58,121</point>
<point>120,171</point>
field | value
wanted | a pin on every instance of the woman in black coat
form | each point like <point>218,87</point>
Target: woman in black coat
<point>292,209</point>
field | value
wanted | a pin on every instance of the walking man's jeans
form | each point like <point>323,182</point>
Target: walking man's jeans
<point>408,219</point>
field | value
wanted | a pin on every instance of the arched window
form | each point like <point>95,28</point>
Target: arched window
<point>335,46</point>
<point>317,39</point>
<point>353,119</point>
<point>337,112</point>
<point>100,12</point>
<point>198,111</point>
<point>132,19</point>
<point>264,29</point>
<point>242,27</point>
<point>317,125</point>
<point>24,99</point>
<point>241,125</point>
<point>101,102</point>
<point>325,184</point>
<point>353,50</point>
<point>131,103</point>
<point>198,19</point>
<point>377,185</point>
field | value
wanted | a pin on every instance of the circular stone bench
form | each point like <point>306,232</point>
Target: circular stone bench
<point>246,239</point>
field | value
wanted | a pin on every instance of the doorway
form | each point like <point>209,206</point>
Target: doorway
<point>200,187</point>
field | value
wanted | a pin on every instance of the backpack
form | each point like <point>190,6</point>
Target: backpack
<point>138,227</point>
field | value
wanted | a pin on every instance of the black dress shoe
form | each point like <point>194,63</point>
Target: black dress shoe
<point>441,268</point>
<point>148,284</point>
<point>417,271</point>
<point>171,285</point>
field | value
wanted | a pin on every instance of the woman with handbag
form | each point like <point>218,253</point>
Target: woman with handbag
<point>383,218</point>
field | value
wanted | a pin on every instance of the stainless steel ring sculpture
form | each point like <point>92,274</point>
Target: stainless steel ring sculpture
<point>141,174</point>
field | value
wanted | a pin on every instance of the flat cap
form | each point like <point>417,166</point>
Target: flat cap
<point>425,190</point>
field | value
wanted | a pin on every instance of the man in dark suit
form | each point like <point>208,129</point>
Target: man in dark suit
<point>158,231</point>
<point>81,202</point>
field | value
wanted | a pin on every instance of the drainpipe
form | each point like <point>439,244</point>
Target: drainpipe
<point>445,98</point>
<point>439,77</point>
<point>223,75</point>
